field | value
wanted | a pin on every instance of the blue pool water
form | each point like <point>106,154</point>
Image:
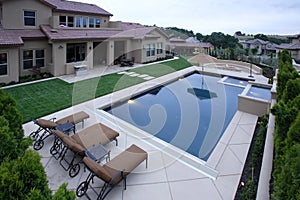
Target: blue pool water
<point>191,113</point>
<point>237,82</point>
<point>259,92</point>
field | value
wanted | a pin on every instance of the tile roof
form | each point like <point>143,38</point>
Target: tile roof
<point>255,41</point>
<point>130,25</point>
<point>137,33</point>
<point>295,46</point>
<point>177,40</point>
<point>130,31</point>
<point>76,34</point>
<point>71,6</point>
<point>10,37</point>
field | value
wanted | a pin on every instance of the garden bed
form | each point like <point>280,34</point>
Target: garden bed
<point>247,188</point>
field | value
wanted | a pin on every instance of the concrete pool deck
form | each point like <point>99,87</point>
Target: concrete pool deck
<point>167,176</point>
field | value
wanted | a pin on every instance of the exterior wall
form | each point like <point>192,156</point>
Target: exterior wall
<point>145,42</point>
<point>59,58</point>
<point>34,45</point>
<point>13,65</point>
<point>60,66</point>
<point>295,40</point>
<point>13,16</point>
<point>100,53</point>
<point>110,52</point>
<point>253,106</point>
<point>137,50</point>
<point>295,54</point>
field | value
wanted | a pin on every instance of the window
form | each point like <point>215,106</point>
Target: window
<point>91,22</point>
<point>152,50</point>
<point>66,21</point>
<point>78,22</point>
<point>148,50</point>
<point>39,58</point>
<point>29,18</point>
<point>3,64</point>
<point>159,49</point>
<point>98,21</point>
<point>27,59</point>
<point>62,21</point>
<point>84,22</point>
<point>76,52</point>
<point>33,58</point>
<point>70,21</point>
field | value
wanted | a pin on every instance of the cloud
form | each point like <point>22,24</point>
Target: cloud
<point>266,16</point>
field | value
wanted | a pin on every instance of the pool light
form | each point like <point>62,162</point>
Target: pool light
<point>130,101</point>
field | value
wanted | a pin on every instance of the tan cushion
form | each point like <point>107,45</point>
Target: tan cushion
<point>60,134</point>
<point>128,160</point>
<point>74,118</point>
<point>95,134</point>
<point>73,145</point>
<point>46,123</point>
<point>97,169</point>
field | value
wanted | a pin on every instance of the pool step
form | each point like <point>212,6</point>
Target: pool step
<point>134,74</point>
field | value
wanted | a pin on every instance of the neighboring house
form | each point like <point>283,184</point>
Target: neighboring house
<point>293,47</point>
<point>57,35</point>
<point>263,47</point>
<point>190,46</point>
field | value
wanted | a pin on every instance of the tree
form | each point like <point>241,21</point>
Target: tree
<point>22,176</point>
<point>19,176</point>
<point>254,51</point>
<point>261,36</point>
<point>12,141</point>
<point>286,172</point>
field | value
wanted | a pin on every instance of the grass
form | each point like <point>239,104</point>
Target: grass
<point>43,98</point>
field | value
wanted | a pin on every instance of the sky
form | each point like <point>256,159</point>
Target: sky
<point>270,17</point>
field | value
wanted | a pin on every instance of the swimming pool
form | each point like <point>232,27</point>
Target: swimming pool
<point>259,92</point>
<point>191,113</point>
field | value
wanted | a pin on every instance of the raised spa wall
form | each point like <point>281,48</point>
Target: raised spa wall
<point>252,105</point>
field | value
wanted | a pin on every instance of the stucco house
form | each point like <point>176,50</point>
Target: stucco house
<point>57,35</point>
<point>263,47</point>
<point>293,47</point>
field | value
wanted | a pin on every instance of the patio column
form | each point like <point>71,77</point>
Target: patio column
<point>110,53</point>
<point>128,48</point>
<point>90,55</point>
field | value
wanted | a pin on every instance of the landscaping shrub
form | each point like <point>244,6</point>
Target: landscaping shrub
<point>22,176</point>
<point>286,172</point>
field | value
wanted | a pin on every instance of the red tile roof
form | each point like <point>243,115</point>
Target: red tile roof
<point>78,7</point>
<point>137,33</point>
<point>130,31</point>
<point>294,46</point>
<point>10,37</point>
<point>76,34</point>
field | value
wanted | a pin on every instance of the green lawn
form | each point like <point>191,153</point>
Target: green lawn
<point>42,98</point>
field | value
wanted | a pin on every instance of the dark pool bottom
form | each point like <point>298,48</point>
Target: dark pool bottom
<point>191,113</point>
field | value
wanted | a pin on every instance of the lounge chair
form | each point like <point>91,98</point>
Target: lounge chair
<point>79,143</point>
<point>45,126</point>
<point>113,172</point>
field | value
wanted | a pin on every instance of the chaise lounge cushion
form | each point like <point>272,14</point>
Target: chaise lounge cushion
<point>95,134</point>
<point>46,123</point>
<point>60,134</point>
<point>75,147</point>
<point>128,160</point>
<point>97,169</point>
<point>74,119</point>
